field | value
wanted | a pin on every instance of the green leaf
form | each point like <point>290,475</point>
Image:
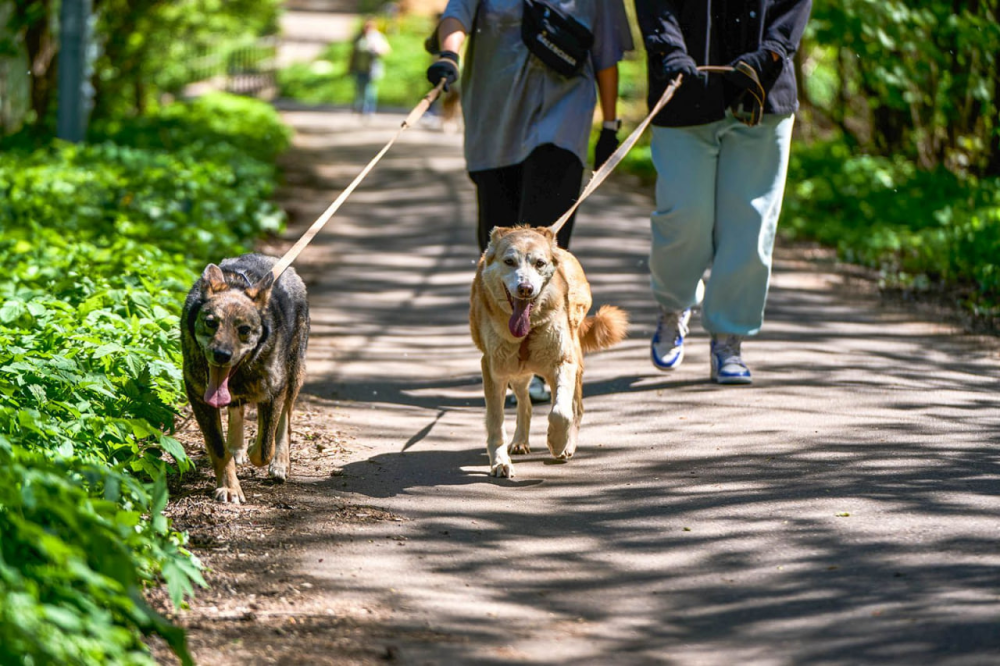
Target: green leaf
<point>175,449</point>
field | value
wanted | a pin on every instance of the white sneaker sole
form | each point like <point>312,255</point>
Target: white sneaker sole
<point>667,368</point>
<point>732,380</point>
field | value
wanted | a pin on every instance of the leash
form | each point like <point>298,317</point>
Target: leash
<point>310,233</point>
<point>595,180</point>
<point>757,91</point>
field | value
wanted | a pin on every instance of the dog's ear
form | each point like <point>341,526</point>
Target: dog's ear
<point>260,292</point>
<point>213,280</point>
<point>500,232</point>
<point>547,232</point>
<point>495,235</point>
<point>549,235</point>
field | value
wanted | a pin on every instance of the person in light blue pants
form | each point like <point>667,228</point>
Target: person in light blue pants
<point>721,149</point>
<point>718,197</point>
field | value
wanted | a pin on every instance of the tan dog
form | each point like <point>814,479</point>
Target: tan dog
<point>528,316</point>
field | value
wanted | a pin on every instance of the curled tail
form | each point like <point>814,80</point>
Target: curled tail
<point>605,329</point>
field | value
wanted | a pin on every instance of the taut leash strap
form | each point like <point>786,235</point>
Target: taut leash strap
<point>618,155</point>
<point>626,145</point>
<point>419,110</point>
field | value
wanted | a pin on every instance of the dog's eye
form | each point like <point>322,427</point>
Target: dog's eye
<point>540,264</point>
<point>244,330</point>
<point>212,323</point>
<point>510,261</point>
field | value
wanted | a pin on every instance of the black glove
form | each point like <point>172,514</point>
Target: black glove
<point>753,73</point>
<point>607,142</point>
<point>762,63</point>
<point>445,67</point>
<point>674,63</point>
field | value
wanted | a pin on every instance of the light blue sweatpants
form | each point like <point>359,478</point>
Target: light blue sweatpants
<point>718,196</point>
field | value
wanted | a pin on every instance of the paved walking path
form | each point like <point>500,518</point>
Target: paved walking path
<point>844,509</point>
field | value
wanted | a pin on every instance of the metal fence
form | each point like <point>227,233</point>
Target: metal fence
<point>245,69</point>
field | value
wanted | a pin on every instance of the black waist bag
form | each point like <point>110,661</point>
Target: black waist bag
<point>555,38</point>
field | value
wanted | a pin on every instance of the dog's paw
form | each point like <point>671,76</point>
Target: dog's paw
<point>567,453</point>
<point>278,472</point>
<point>519,448</point>
<point>230,496</point>
<point>503,470</point>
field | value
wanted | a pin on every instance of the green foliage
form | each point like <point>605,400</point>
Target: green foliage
<point>149,47</point>
<point>98,246</point>
<point>921,229</point>
<point>919,79</point>
<point>72,562</point>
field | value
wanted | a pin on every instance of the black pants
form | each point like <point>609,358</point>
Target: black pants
<point>535,192</point>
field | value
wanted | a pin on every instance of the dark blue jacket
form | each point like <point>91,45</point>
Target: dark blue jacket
<point>716,32</point>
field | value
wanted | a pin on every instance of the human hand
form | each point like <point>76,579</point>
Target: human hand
<point>763,63</point>
<point>674,63</point>
<point>607,142</point>
<point>445,67</point>
<point>749,72</point>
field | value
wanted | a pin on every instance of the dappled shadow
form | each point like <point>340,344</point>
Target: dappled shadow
<point>841,510</point>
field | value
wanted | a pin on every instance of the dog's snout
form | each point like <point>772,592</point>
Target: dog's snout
<point>525,290</point>
<point>221,356</point>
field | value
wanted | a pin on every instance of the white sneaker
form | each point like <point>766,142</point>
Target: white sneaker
<point>538,391</point>
<point>667,346</point>
<point>727,365</point>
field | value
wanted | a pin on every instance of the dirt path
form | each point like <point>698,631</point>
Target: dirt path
<point>845,509</point>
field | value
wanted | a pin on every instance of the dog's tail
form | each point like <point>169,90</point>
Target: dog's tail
<point>605,329</point>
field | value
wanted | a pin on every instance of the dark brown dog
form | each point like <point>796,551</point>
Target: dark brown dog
<point>244,337</point>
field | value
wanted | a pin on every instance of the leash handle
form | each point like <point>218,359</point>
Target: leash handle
<point>318,225</point>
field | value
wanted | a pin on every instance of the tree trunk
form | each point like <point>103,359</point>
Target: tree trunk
<point>41,49</point>
<point>993,164</point>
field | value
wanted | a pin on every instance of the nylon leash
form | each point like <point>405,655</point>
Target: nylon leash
<point>618,155</point>
<point>632,138</point>
<point>418,111</point>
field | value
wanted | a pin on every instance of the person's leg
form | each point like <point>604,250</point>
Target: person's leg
<point>498,195</point>
<point>550,184</point>
<point>753,163</point>
<point>685,159</point>
<point>357,106</point>
<point>371,97</point>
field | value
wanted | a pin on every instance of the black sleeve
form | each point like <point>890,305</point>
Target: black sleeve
<point>660,27</point>
<point>783,26</point>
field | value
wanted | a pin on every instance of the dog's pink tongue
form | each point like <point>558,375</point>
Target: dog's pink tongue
<point>217,393</point>
<point>520,321</point>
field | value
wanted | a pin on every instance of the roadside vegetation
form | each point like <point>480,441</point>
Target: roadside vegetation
<point>99,243</point>
<point>897,161</point>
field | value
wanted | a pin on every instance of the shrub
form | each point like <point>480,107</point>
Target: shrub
<point>98,245</point>
<point>920,228</point>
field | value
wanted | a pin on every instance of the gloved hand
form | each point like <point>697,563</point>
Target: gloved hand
<point>445,67</point>
<point>764,65</point>
<point>607,142</point>
<point>674,63</point>
<point>753,74</point>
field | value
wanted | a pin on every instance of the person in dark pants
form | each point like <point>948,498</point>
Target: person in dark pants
<point>526,125</point>
<point>536,191</point>
<point>721,149</point>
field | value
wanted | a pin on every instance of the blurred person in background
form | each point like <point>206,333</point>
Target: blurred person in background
<point>366,66</point>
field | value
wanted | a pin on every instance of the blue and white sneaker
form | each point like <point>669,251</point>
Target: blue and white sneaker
<point>727,365</point>
<point>667,346</point>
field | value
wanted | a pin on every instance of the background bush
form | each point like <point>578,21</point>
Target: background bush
<point>98,246</point>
